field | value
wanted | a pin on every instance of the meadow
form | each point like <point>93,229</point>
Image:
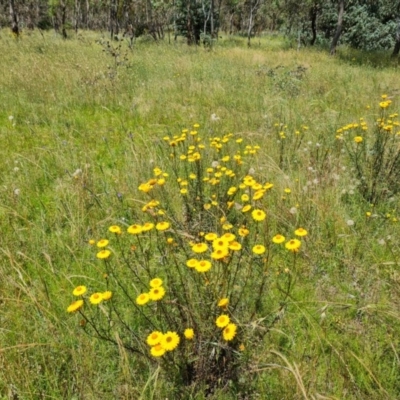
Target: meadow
<point>243,201</point>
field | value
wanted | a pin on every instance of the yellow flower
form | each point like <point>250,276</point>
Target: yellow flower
<point>207,206</point>
<point>189,333</point>
<point>223,303</point>
<point>154,338</point>
<point>227,226</point>
<point>229,332</point>
<point>156,282</point>
<point>156,293</point>
<point>245,197</point>
<point>135,229</point>
<point>96,298</point>
<point>220,253</point>
<point>358,139</point>
<point>210,236</point>
<point>222,321</point>
<point>92,242</point>
<point>293,245</point>
<point>243,232</point>
<point>115,229</point>
<point>246,208</point>
<point>199,248</point>
<point>300,232</point>
<point>102,243</point>
<point>230,237</point>
<point>220,243</point>
<point>241,347</point>
<point>106,295</point>
<point>142,299</point>
<point>258,249</point>
<point>203,266</point>
<point>278,239</point>
<point>157,350</point>
<point>235,246</point>
<point>162,226</point>
<point>103,254</point>
<point>170,341</point>
<point>287,190</point>
<point>147,226</point>
<point>75,306</point>
<point>258,215</point>
<point>259,194</point>
<point>79,290</point>
<point>191,263</point>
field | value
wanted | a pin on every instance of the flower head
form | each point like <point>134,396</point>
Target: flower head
<point>156,282</point>
<point>229,332</point>
<point>223,303</point>
<point>142,299</point>
<point>106,295</point>
<point>192,263</point>
<point>115,229</point>
<point>75,306</point>
<point>200,247</point>
<point>157,350</point>
<point>358,139</point>
<point>79,290</point>
<point>154,338</point>
<point>258,215</point>
<point>189,333</point>
<point>222,321</point>
<point>156,293</point>
<point>135,229</point>
<point>96,298</point>
<point>170,341</point>
<point>102,243</point>
<point>278,239</point>
<point>162,226</point>
<point>103,254</point>
<point>300,232</point>
<point>258,249</point>
<point>293,245</point>
<point>203,266</point>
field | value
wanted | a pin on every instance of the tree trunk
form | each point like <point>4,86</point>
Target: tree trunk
<point>14,19</point>
<point>212,18</point>
<point>339,28</point>
<point>313,17</point>
<point>113,19</point>
<point>63,9</point>
<point>396,49</point>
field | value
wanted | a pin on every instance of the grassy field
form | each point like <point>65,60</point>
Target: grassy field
<point>83,123</point>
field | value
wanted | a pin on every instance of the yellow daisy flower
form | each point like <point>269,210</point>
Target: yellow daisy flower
<point>157,293</point>
<point>147,226</point>
<point>220,253</point>
<point>135,229</point>
<point>258,249</point>
<point>203,266</point>
<point>162,226</point>
<point>170,341</point>
<point>246,208</point>
<point>220,243</point>
<point>115,229</point>
<point>156,282</point>
<point>142,299</point>
<point>235,246</point>
<point>96,298</point>
<point>222,321</point>
<point>278,239</point>
<point>103,254</point>
<point>258,215</point>
<point>210,236</point>
<point>154,338</point>
<point>300,232</point>
<point>191,263</point>
<point>223,303</point>
<point>102,243</point>
<point>229,332</point>
<point>293,245</point>
<point>243,232</point>
<point>75,306</point>
<point>200,247</point>
<point>157,350</point>
<point>106,295</point>
<point>79,290</point>
<point>189,333</point>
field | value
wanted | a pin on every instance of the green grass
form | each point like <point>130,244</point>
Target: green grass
<point>337,336</point>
